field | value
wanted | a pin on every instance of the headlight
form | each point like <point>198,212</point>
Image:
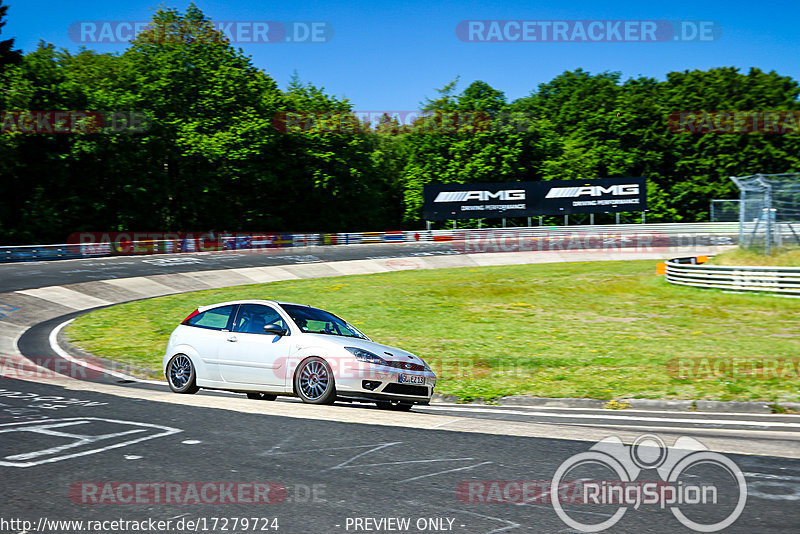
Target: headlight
<point>366,356</point>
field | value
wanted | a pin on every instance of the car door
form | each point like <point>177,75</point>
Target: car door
<point>209,330</point>
<point>248,355</point>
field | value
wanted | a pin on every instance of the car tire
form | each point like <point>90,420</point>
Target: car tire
<point>181,375</point>
<point>261,396</point>
<point>314,382</point>
<point>396,406</point>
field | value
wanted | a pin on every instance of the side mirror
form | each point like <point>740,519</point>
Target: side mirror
<point>274,330</point>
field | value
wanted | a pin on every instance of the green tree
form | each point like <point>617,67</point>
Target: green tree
<point>8,55</point>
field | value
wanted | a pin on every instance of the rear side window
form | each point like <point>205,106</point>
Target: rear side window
<point>214,319</point>
<point>252,318</point>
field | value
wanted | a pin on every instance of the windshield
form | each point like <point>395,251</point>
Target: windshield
<point>316,321</point>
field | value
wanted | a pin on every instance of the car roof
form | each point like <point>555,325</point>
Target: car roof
<point>248,301</point>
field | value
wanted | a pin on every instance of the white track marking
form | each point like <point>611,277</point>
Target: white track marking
<point>281,443</point>
<point>740,422</point>
<point>323,449</point>
<point>359,455</point>
<point>772,477</point>
<point>64,354</point>
<point>501,407</point>
<point>66,297</point>
<point>46,426</point>
<point>409,462</point>
<point>443,472</point>
<point>440,425</point>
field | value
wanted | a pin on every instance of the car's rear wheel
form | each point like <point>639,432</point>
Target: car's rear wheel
<point>181,375</point>
<point>395,405</point>
<point>261,396</point>
<point>313,381</point>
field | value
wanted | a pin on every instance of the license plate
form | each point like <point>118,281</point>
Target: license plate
<point>411,379</point>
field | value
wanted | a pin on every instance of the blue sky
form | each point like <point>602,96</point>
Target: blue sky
<point>392,56</point>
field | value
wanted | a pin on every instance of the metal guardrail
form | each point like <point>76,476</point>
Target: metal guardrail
<point>783,280</point>
<point>715,232</point>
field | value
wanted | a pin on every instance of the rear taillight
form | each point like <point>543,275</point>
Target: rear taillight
<point>195,312</point>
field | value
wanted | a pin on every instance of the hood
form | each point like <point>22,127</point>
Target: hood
<point>386,352</point>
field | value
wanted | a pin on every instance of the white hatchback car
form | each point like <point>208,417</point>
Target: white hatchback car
<point>266,348</point>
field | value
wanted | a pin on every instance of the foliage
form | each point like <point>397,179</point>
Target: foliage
<point>211,157</point>
<point>786,257</point>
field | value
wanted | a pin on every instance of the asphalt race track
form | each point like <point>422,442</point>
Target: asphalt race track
<point>110,450</point>
<point>16,276</point>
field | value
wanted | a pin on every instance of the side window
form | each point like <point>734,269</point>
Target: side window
<point>252,319</point>
<point>214,319</point>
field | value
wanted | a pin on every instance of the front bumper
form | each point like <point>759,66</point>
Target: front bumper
<point>394,385</point>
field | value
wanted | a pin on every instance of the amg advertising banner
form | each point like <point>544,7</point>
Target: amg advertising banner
<point>526,199</point>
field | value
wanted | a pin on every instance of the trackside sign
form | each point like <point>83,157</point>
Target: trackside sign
<point>525,199</point>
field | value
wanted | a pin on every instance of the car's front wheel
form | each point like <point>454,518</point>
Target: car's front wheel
<point>181,375</point>
<point>313,381</point>
<point>261,396</point>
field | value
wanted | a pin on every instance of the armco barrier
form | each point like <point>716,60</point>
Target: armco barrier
<point>679,234</point>
<point>783,280</point>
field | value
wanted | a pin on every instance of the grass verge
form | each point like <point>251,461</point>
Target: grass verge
<point>780,258</point>
<point>605,330</point>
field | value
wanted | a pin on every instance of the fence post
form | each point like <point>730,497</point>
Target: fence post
<point>770,226</point>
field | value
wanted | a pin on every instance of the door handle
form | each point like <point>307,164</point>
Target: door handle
<point>233,338</point>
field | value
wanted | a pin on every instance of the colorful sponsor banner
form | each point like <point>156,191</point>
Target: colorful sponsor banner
<point>127,243</point>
